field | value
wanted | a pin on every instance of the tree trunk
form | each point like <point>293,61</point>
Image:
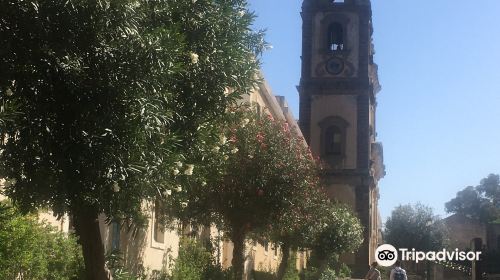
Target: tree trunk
<point>89,236</point>
<point>285,248</point>
<point>238,261</point>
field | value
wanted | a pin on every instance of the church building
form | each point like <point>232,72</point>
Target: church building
<point>338,90</point>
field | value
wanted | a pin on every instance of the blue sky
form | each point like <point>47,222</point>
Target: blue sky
<point>438,113</point>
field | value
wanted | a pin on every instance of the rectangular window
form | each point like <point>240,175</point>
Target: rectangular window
<point>258,110</point>
<point>158,227</point>
<point>115,235</point>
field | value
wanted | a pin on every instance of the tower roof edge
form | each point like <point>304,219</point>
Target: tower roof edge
<point>325,4</point>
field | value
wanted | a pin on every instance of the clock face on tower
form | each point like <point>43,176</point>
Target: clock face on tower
<point>335,66</point>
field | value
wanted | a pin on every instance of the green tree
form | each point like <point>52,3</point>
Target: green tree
<point>415,226</point>
<point>252,176</point>
<point>481,203</point>
<point>296,229</point>
<point>490,188</point>
<point>110,95</point>
<point>337,231</point>
<point>31,250</point>
<point>327,228</point>
<point>470,203</point>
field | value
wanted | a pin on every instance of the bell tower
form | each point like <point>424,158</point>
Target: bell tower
<point>337,91</point>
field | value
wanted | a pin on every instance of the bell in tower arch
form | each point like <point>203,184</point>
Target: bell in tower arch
<point>335,37</point>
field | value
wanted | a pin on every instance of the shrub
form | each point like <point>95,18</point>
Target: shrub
<point>159,275</point>
<point>195,262</point>
<point>344,271</point>
<point>33,250</point>
<point>328,274</point>
<point>263,275</point>
<point>326,270</point>
<point>291,271</point>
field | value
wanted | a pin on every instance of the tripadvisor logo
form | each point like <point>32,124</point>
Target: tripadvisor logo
<point>387,255</point>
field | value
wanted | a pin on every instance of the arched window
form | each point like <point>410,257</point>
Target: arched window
<point>335,37</point>
<point>333,141</point>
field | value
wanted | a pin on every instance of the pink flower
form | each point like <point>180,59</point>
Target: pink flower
<point>286,128</point>
<point>260,137</point>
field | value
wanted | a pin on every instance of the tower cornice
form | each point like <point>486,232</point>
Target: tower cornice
<point>329,5</point>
